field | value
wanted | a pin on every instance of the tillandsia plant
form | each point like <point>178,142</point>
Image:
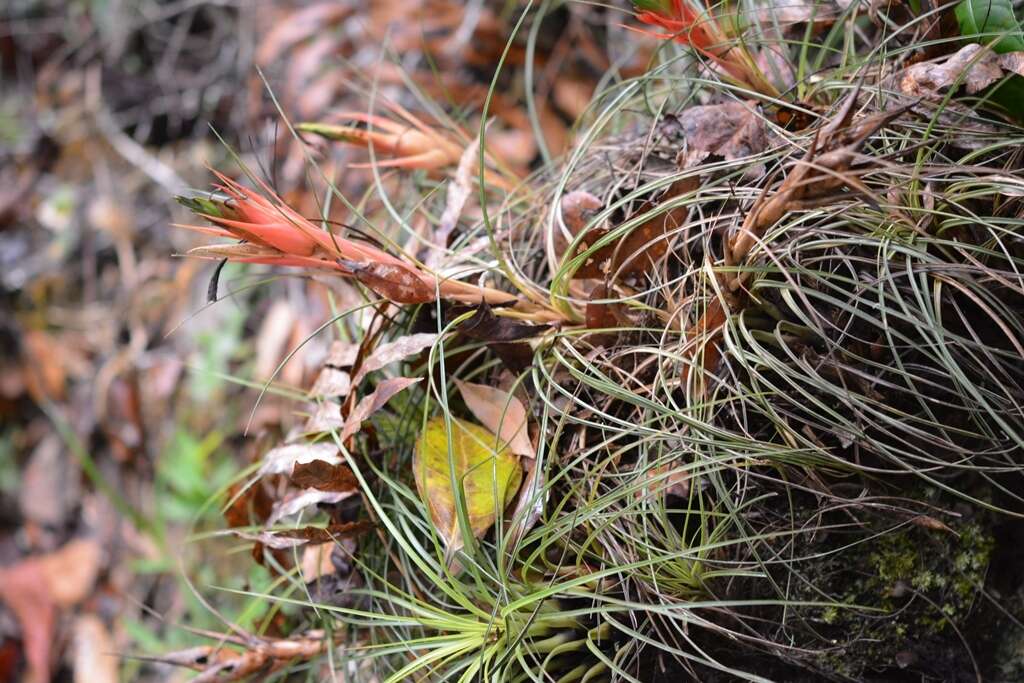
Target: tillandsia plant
<point>271,232</point>
<point>690,23</point>
<point>772,428</point>
<point>408,143</point>
<point>530,638</point>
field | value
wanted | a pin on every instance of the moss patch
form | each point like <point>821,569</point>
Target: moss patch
<point>897,595</point>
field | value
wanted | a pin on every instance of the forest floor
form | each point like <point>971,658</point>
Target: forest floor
<point>743,325</point>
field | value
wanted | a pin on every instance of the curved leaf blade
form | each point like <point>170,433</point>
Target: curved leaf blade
<point>984,20</point>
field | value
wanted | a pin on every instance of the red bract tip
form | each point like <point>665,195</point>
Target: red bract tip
<point>681,21</point>
<point>686,23</point>
<point>265,220</point>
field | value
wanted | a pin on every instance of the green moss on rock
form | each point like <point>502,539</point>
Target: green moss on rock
<point>896,595</point>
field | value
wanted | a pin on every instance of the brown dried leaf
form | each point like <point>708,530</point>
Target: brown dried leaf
<point>484,325</point>
<point>34,588</point>
<point>668,480</point>
<point>703,345</point>
<point>291,538</point>
<point>305,63</point>
<point>50,484</point>
<point>554,129</point>
<point>385,354</point>
<point>929,78</point>
<point>71,571</point>
<point>272,337</point>
<point>401,284</point>
<point>517,357</point>
<point>342,355</point>
<point>316,561</point>
<point>297,501</point>
<point>573,96</point>
<point>325,534</point>
<point>731,130</point>
<point>326,418</point>
<point>529,505</point>
<point>578,208</point>
<point>315,98</point>
<point>324,476</point>
<point>334,379</point>
<point>1012,62</point>
<point>23,588</point>
<point>928,522</point>
<point>645,245</point>
<point>248,507</point>
<point>600,314</point>
<point>459,190</point>
<point>299,26</point>
<point>516,148</point>
<point>282,460</point>
<point>500,412</point>
<point>44,367</point>
<point>370,404</point>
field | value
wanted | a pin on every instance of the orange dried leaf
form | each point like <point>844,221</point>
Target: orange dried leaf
<point>500,412</point>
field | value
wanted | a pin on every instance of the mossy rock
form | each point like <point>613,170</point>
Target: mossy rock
<point>902,598</point>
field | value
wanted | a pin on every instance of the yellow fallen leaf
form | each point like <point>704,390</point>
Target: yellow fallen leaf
<point>487,477</point>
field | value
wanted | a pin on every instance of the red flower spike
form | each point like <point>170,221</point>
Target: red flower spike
<point>681,22</point>
<point>687,25</point>
<point>273,233</point>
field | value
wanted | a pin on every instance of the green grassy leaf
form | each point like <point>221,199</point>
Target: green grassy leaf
<point>1009,94</point>
<point>662,6</point>
<point>984,20</point>
<point>486,473</point>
